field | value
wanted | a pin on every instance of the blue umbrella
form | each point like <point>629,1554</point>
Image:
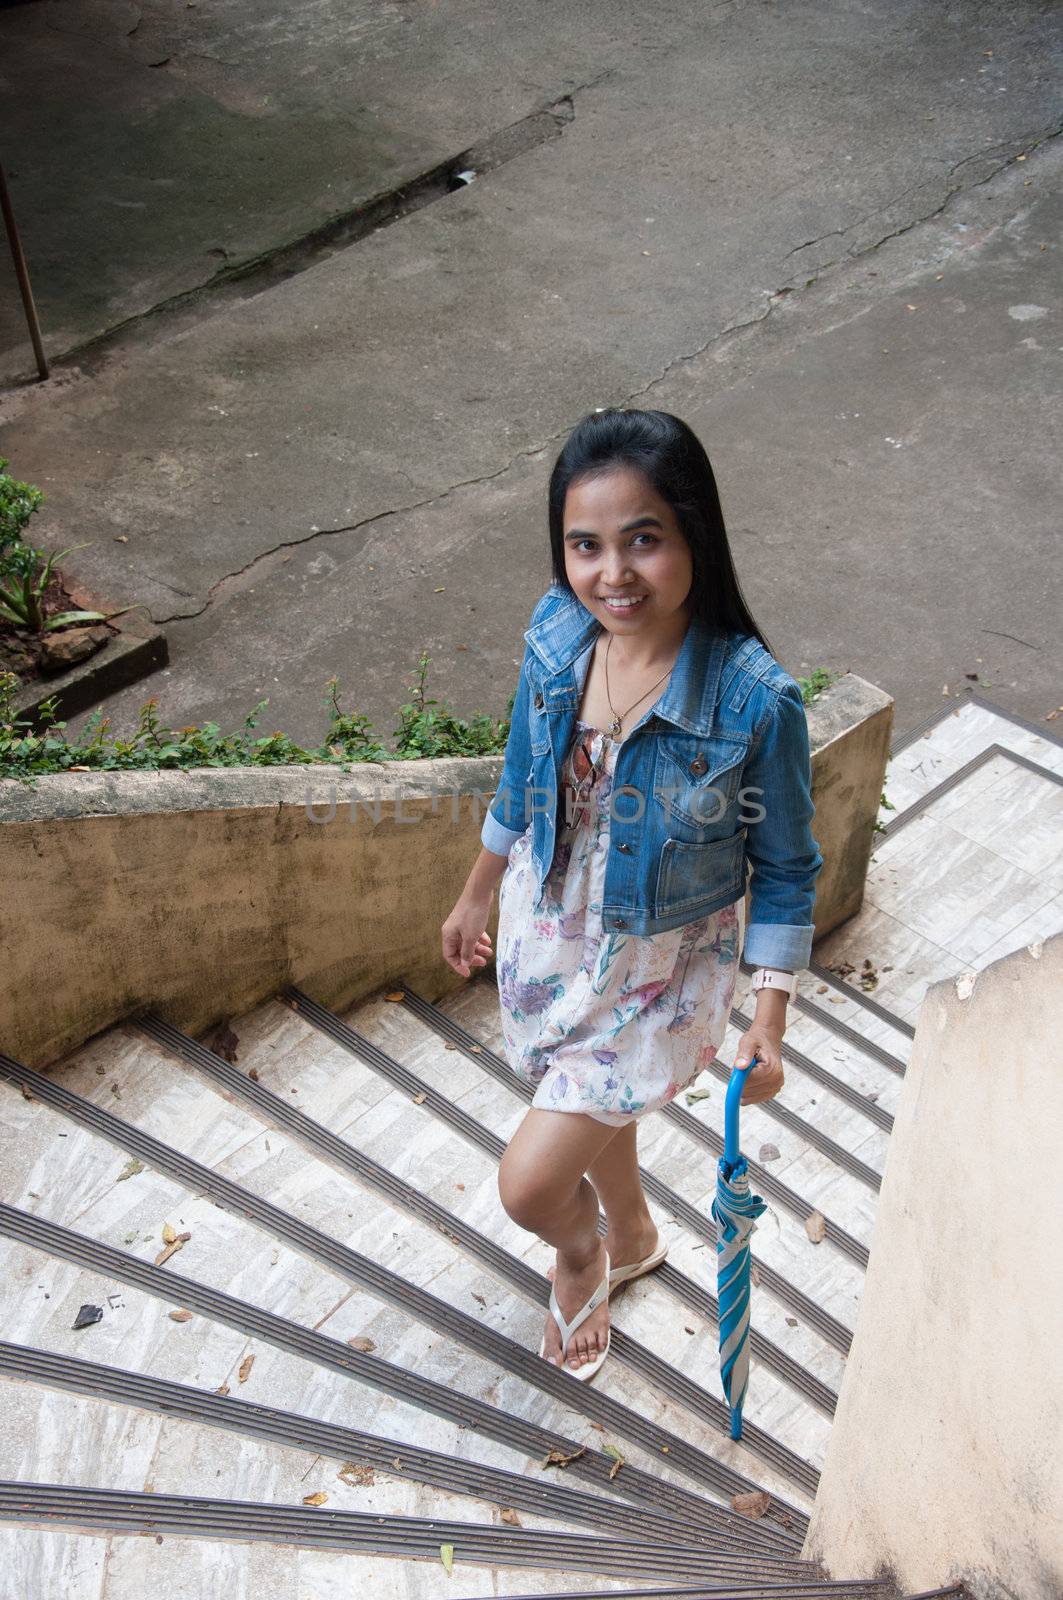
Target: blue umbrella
<point>734,1211</point>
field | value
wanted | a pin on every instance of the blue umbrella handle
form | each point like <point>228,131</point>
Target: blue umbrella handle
<point>735,1085</point>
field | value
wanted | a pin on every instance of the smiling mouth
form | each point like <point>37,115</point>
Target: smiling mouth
<point>622,602</point>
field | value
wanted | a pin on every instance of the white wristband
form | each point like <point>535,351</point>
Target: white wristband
<point>774,978</point>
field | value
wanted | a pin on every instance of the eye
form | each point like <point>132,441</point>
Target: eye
<point>650,536</point>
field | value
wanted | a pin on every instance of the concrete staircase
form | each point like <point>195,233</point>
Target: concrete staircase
<point>313,1369</point>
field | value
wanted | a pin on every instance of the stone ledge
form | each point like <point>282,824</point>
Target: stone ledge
<point>138,650</point>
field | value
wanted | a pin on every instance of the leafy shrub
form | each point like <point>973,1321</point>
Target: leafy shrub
<point>421,732</point>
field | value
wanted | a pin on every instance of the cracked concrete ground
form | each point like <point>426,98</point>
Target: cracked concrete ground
<point>826,235</point>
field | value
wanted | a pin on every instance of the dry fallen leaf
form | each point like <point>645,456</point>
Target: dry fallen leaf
<point>356,1476</point>
<point>694,1095</point>
<point>558,1458</point>
<point>168,1234</point>
<point>315,1499</point>
<point>419,1099</point>
<point>768,1152</point>
<point>618,1459</point>
<point>222,1389</point>
<point>476,1049</point>
<point>446,1555</point>
<point>450,1047</point>
<point>172,1248</point>
<point>510,1516</point>
<point>816,1227</point>
<point>686,1329</point>
<point>180,1316</point>
<point>599,1427</point>
<point>480,1298</point>
<point>395,995</point>
<point>366,1346</point>
<point>130,1170</point>
<point>753,1504</point>
<point>245,1368</point>
<point>460,1186</point>
<point>791,1322</point>
<point>754,1274</point>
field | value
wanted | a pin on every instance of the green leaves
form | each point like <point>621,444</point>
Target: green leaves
<point>27,750</point>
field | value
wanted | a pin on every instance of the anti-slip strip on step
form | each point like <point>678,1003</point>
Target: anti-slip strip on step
<point>424,1307</point>
<point>700,1225</point>
<point>834,1085</point>
<point>315,1527</point>
<point>825,975</point>
<point>391,1456</point>
<point>973,698</point>
<point>349,1159</point>
<point>514,1432</point>
<point>508,1268</point>
<point>837,1025</point>
<point>811,1134</point>
<point>822,1589</point>
<point>957,778</point>
<point>908,815</point>
<point>326,1144</point>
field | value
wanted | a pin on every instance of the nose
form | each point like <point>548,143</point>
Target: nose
<point>616,572</point>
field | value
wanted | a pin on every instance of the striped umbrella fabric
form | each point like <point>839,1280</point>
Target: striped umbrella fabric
<point>735,1211</point>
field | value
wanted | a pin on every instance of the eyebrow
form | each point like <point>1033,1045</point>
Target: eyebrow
<point>629,527</point>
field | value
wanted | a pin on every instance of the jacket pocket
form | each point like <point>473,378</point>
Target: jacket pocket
<point>698,781</point>
<point>691,873</point>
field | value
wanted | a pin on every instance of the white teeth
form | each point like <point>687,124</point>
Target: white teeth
<point>624,605</point>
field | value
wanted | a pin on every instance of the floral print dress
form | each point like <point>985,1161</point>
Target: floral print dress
<point>609,1024</point>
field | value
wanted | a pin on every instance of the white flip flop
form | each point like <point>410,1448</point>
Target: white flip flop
<point>635,1269</point>
<point>588,1368</point>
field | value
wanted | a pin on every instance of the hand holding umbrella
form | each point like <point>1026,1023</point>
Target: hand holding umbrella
<point>734,1211</point>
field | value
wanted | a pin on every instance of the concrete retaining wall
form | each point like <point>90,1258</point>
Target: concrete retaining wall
<point>201,893</point>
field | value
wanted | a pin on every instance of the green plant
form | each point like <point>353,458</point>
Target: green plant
<point>880,827</point>
<point>28,572</point>
<point>26,752</point>
<point>18,502</point>
<point>819,679</point>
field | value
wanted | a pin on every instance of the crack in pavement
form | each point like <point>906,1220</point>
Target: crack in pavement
<point>774,297</point>
<point>1018,148</point>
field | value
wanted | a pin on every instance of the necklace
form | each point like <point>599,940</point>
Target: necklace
<point>614,726</point>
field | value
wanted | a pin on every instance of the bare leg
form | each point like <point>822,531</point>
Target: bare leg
<point>542,1186</point>
<point>615,1174</point>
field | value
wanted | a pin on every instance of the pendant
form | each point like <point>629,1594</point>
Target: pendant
<point>614,727</point>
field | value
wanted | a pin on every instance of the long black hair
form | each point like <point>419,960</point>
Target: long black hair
<point>672,459</point>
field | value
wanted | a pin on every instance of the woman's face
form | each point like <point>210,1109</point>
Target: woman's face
<point>623,540</point>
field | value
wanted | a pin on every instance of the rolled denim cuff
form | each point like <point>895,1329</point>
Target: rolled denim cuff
<point>497,838</point>
<point>785,945</point>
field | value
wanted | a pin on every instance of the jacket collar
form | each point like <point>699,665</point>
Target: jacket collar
<point>690,698</point>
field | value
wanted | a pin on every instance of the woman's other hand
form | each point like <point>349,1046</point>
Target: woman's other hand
<point>466,942</point>
<point>767,1077</point>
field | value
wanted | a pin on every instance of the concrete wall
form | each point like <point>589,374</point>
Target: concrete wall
<point>201,893</point>
<point>946,1456</point>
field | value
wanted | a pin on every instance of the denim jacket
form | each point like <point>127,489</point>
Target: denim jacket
<point>716,774</point>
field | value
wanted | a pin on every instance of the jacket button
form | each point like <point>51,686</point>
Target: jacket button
<point>626,848</point>
<point>699,764</point>
<point>620,922</point>
<point>539,698</point>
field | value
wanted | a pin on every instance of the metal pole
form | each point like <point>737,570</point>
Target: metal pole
<point>22,273</point>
